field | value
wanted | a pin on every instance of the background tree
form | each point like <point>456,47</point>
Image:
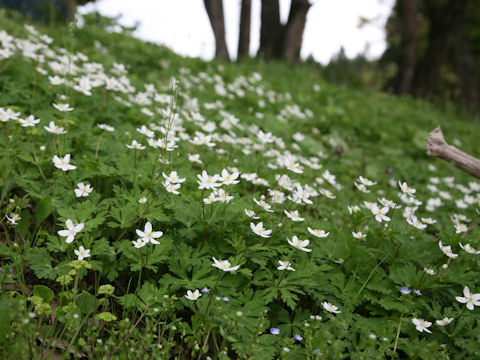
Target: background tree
<point>244,33</point>
<point>277,40</point>
<point>217,21</point>
<point>436,47</point>
<point>282,41</point>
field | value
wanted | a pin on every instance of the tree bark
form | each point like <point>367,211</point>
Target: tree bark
<point>409,11</point>
<point>443,20</point>
<point>215,15</point>
<point>438,147</point>
<point>294,30</point>
<point>271,31</point>
<point>465,64</point>
<point>244,37</point>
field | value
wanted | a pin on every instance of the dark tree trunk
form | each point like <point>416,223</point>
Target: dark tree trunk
<point>443,19</point>
<point>244,37</point>
<point>465,65</point>
<point>271,31</point>
<point>215,15</point>
<point>294,30</point>
<point>409,12</point>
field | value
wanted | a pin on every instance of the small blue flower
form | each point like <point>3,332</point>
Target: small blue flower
<point>298,337</point>
<point>317,352</point>
<point>274,331</point>
<point>417,292</point>
<point>225,298</point>
<point>205,290</point>
<point>405,290</point>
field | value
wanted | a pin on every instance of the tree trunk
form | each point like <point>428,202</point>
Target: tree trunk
<point>271,31</point>
<point>294,30</point>
<point>244,37</point>
<point>465,64</point>
<point>409,11</point>
<point>443,19</point>
<point>215,15</point>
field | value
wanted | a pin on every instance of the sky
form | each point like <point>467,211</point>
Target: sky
<point>183,25</point>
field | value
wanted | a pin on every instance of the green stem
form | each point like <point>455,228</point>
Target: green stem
<point>398,330</point>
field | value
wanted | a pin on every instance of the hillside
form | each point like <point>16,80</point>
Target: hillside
<point>162,205</point>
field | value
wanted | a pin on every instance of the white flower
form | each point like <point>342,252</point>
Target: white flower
<point>460,228</point>
<point>447,250</point>
<point>83,190</point>
<point>229,179</point>
<point>146,131</point>
<point>29,121</point>
<point>263,204</point>
<point>444,322</point>
<point>223,196</point>
<point>135,145</point>
<point>299,244</point>
<point>361,187</point>
<point>470,299</point>
<point>251,214</point>
<point>330,308</point>
<point>413,220</point>
<point>359,235</point>
<point>194,158</point>
<point>62,107</point>
<point>380,213</point>
<point>422,325</point>
<point>469,249</point>
<point>54,129</point>
<point>71,231</point>
<point>139,243</point>
<point>82,253</point>
<point>106,127</point>
<point>206,181</point>
<point>293,215</point>
<point>365,181</point>
<point>171,187</point>
<point>173,178</point>
<point>429,271</point>
<point>259,230</point>
<point>63,163</point>
<point>285,265</point>
<point>318,233</point>
<point>193,295</point>
<point>224,265</point>
<point>148,235</point>
<point>142,200</point>
<point>352,209</point>
<point>406,189</point>
<point>13,218</point>
<point>327,193</point>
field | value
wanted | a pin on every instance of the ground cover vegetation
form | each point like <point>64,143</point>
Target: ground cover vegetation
<point>163,207</point>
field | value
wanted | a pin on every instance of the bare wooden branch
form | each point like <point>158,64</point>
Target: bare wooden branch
<point>438,147</point>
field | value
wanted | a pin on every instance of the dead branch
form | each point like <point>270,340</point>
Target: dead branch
<point>438,147</point>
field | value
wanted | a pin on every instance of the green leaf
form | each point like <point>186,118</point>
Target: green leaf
<point>44,292</point>
<point>43,209</point>
<point>87,303</point>
<point>24,223</point>
<point>40,262</point>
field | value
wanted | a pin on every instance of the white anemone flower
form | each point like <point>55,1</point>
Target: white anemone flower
<point>148,235</point>
<point>224,265</point>
<point>71,231</point>
<point>422,325</point>
<point>468,298</point>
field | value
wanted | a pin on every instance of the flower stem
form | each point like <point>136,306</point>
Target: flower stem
<point>398,330</point>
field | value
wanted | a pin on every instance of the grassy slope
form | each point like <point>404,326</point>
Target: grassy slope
<point>375,131</point>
